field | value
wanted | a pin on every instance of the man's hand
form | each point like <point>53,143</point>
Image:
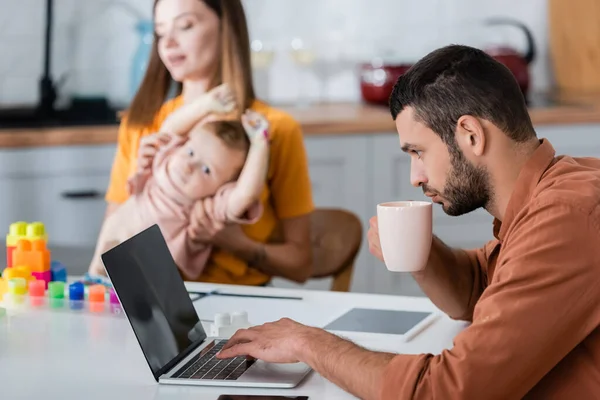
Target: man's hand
<point>286,341</point>
<point>373,238</point>
<point>280,342</point>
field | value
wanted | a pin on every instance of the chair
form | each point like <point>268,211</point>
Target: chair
<point>336,237</point>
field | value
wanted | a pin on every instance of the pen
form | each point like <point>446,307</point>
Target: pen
<point>255,296</point>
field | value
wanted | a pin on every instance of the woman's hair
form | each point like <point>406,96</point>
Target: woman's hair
<point>233,67</point>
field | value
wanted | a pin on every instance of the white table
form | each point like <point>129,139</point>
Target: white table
<point>63,355</point>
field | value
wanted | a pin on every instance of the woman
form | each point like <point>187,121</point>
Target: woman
<point>200,44</point>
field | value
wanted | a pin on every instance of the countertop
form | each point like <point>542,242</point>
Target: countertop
<point>316,120</point>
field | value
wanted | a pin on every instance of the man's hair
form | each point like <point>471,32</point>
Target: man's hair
<point>459,80</point>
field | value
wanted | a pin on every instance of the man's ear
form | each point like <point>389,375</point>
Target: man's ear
<point>470,136</point>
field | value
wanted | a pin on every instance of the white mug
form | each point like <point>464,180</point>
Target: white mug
<point>405,234</point>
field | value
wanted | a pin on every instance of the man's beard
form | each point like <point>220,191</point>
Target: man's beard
<point>467,186</point>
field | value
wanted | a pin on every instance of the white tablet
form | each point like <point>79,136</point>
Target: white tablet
<point>406,324</point>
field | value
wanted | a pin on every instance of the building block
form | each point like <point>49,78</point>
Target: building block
<point>10,273</point>
<point>225,324</point>
<point>22,230</point>
<point>22,271</point>
<point>16,231</point>
<point>45,276</point>
<point>59,271</point>
<point>33,254</point>
<point>3,287</point>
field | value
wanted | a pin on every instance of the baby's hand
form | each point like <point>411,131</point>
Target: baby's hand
<point>256,126</point>
<point>220,100</point>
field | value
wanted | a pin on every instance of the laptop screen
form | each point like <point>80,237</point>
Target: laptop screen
<point>153,296</point>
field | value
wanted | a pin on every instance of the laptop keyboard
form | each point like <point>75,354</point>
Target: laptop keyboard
<point>206,366</point>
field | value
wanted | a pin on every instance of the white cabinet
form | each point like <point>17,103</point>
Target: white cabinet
<point>61,186</point>
<point>338,171</point>
<point>573,140</point>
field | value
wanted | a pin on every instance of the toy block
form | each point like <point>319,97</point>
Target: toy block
<point>59,271</point>
<point>17,286</point>
<point>225,324</point>
<point>36,231</point>
<point>45,276</point>
<point>22,271</point>
<point>3,287</point>
<point>16,231</point>
<point>33,254</point>
<point>22,230</point>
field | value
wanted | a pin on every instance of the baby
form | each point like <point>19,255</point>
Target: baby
<point>189,168</point>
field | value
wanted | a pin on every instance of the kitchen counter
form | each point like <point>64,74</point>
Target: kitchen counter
<point>320,119</point>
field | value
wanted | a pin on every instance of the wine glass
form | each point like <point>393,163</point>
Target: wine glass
<point>261,58</point>
<point>304,55</point>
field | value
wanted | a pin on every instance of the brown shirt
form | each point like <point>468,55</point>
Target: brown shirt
<point>535,306</point>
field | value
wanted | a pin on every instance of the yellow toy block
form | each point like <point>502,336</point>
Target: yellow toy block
<point>23,230</point>
<point>23,271</point>
<point>16,231</point>
<point>3,287</point>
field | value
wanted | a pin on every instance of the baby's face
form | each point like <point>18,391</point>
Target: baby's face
<point>203,164</point>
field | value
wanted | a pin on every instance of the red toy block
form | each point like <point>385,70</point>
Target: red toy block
<point>33,254</point>
<point>45,276</point>
<point>9,256</point>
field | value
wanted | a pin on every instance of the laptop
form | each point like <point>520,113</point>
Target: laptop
<point>166,325</point>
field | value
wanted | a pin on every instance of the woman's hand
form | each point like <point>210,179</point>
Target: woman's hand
<point>203,225</point>
<point>149,146</point>
<point>205,229</point>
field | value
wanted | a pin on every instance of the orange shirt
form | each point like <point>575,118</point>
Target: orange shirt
<point>287,191</point>
<point>535,305</point>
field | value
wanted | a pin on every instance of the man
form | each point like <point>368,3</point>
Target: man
<point>532,294</point>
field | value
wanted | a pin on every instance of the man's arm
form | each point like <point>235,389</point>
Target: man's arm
<point>287,341</point>
<point>330,357</point>
<point>453,278</point>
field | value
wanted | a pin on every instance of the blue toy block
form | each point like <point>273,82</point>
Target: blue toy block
<point>59,271</point>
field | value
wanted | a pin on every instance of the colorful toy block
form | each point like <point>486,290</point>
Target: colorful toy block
<point>23,230</point>
<point>3,287</point>
<point>45,276</point>
<point>33,254</point>
<point>59,271</point>
<point>21,271</point>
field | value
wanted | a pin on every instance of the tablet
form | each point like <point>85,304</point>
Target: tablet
<point>388,322</point>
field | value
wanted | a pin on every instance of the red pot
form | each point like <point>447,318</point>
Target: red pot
<point>377,80</point>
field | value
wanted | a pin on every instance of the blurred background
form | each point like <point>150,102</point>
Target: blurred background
<point>309,49</point>
<point>330,63</point>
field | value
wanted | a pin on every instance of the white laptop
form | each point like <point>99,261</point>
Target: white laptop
<point>160,311</point>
